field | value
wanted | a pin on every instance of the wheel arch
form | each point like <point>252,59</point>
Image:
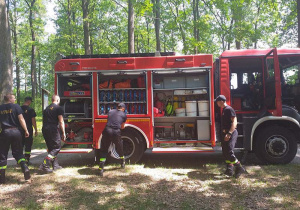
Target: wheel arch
<point>140,131</point>
<point>284,121</point>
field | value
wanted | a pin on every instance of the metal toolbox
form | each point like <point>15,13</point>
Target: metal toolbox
<point>174,82</point>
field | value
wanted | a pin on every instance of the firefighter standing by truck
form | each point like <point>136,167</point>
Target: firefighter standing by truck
<point>229,137</point>
<point>29,116</point>
<point>12,121</point>
<point>52,117</point>
<point>112,134</point>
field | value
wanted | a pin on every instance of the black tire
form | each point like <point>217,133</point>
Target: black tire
<point>275,145</point>
<point>134,146</point>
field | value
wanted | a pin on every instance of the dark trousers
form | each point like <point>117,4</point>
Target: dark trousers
<point>228,146</point>
<point>27,142</point>
<point>53,140</point>
<point>13,138</point>
<point>109,136</point>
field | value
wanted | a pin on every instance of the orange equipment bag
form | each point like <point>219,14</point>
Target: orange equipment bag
<point>106,84</point>
<point>122,84</point>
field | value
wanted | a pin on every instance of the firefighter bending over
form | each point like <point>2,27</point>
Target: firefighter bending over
<point>52,117</point>
<point>112,134</point>
<point>229,137</point>
<point>12,121</point>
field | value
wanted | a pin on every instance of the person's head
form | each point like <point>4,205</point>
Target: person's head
<point>55,99</point>
<point>221,101</point>
<point>122,106</point>
<point>28,100</point>
<point>9,98</point>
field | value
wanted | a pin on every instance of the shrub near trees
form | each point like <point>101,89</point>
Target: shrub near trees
<point>139,26</point>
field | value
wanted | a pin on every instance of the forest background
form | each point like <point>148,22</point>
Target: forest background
<point>29,51</point>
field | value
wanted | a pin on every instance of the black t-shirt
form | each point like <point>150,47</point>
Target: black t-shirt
<point>51,113</point>
<point>9,115</point>
<point>28,114</point>
<point>116,118</point>
<point>227,113</point>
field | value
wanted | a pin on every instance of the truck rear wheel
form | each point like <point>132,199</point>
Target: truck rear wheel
<point>133,146</point>
<point>275,145</point>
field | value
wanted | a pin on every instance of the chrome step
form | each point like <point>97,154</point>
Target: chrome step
<point>76,150</point>
<point>181,149</point>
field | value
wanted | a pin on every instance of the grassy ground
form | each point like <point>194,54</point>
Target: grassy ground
<point>158,185</point>
<point>138,187</point>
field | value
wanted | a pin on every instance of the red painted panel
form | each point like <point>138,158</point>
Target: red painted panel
<point>180,61</point>
<point>150,62</point>
<point>121,63</point>
<point>225,79</point>
<point>203,60</point>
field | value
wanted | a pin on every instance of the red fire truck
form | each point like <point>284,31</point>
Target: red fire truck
<point>169,101</point>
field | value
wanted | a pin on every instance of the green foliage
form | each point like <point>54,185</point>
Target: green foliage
<point>220,25</point>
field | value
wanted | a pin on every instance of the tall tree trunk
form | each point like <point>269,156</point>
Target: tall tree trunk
<point>196,18</point>
<point>15,40</point>
<point>86,26</point>
<point>39,75</point>
<point>156,10</point>
<point>6,66</point>
<point>298,16</point>
<point>33,50</point>
<point>130,27</point>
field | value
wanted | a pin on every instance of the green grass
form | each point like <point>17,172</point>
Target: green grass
<point>137,187</point>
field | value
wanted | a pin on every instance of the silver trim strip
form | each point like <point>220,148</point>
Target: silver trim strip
<point>268,118</point>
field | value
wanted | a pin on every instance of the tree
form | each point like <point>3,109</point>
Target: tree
<point>6,65</point>
<point>156,11</point>
<point>86,26</point>
<point>130,27</point>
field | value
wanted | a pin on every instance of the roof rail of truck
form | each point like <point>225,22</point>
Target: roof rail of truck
<point>120,55</point>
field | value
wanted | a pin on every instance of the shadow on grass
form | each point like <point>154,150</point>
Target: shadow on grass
<point>202,189</point>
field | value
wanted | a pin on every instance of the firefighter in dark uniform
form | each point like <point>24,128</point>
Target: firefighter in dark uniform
<point>52,119</point>
<point>229,137</point>
<point>29,116</point>
<point>112,134</point>
<point>12,121</point>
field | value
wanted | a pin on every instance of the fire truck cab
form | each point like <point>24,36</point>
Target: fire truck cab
<point>169,101</point>
<point>255,83</point>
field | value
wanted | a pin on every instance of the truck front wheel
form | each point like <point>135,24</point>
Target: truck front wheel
<point>275,145</point>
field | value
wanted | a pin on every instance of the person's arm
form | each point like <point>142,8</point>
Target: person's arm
<point>34,125</point>
<point>232,128</point>
<point>123,125</point>
<point>62,126</point>
<point>23,124</point>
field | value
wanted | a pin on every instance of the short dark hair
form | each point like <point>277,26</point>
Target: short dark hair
<point>7,96</point>
<point>28,98</point>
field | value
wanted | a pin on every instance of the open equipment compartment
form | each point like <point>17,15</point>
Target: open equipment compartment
<point>181,103</point>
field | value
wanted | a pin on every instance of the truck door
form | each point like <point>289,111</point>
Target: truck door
<point>272,83</point>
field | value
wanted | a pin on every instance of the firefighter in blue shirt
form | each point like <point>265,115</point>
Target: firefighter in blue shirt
<point>112,134</point>
<point>12,121</point>
<point>229,137</point>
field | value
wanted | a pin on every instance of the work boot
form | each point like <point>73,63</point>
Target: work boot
<point>239,170</point>
<point>123,163</point>
<point>25,170</point>
<point>2,176</point>
<point>27,158</point>
<point>101,168</point>
<point>45,166</point>
<point>229,170</point>
<point>55,165</point>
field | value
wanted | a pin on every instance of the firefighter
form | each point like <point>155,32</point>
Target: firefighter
<point>29,116</point>
<point>12,121</point>
<point>112,134</point>
<point>52,118</point>
<point>229,137</point>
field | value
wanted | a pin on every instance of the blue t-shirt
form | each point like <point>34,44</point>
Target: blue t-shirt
<point>116,118</point>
